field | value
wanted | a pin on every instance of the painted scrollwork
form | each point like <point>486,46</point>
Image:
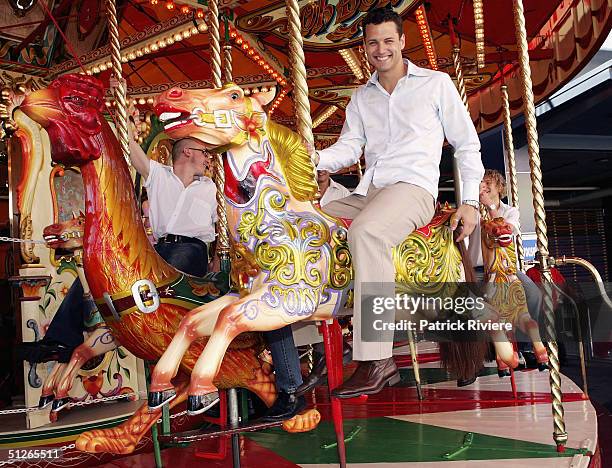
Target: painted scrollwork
<point>428,264</point>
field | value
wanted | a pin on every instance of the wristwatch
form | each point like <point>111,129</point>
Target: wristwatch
<point>473,203</point>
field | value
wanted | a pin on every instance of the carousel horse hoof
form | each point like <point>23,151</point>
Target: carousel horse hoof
<point>466,382</point>
<point>542,366</point>
<point>501,373</point>
<point>197,404</point>
<point>159,399</point>
<point>60,403</point>
<point>45,400</point>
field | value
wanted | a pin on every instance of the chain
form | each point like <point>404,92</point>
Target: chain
<point>23,241</point>
<point>78,403</point>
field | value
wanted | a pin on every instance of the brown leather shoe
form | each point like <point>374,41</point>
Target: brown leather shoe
<point>369,378</point>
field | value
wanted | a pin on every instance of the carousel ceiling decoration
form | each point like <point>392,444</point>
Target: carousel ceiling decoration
<point>562,36</point>
<point>151,40</point>
<point>325,23</point>
<point>338,96</point>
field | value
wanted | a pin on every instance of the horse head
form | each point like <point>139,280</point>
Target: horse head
<point>497,231</point>
<point>67,235</point>
<point>220,118</point>
<point>70,109</point>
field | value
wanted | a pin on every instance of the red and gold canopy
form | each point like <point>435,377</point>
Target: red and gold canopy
<point>166,44</point>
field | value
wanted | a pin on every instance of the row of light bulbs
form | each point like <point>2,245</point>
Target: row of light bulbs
<point>421,19</point>
<point>479,33</point>
<point>352,62</point>
<point>149,48</point>
<point>324,116</point>
<point>251,53</point>
<point>277,101</point>
<point>185,9</point>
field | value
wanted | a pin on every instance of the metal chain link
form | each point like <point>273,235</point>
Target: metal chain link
<point>23,241</point>
<point>78,403</point>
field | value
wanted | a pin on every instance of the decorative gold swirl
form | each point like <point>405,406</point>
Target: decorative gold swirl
<point>428,264</point>
<point>341,268</point>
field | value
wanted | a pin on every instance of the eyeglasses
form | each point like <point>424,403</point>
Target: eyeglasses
<point>204,152</point>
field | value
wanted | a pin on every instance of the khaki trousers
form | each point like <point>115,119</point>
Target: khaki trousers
<point>381,220</point>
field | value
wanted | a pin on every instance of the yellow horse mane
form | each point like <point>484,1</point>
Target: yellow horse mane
<point>296,163</point>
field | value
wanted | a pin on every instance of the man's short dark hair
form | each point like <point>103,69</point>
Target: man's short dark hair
<point>382,15</point>
<point>180,145</point>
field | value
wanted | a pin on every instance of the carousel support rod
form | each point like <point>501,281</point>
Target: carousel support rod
<point>513,195</point>
<point>298,73</point>
<point>215,59</point>
<point>120,91</point>
<point>559,434</point>
<point>227,52</point>
<point>463,93</point>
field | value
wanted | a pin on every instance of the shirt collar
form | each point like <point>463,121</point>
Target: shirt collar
<point>412,70</point>
<point>195,179</point>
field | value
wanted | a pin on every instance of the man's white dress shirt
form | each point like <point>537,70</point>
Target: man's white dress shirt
<point>175,209</point>
<point>402,133</point>
<point>335,191</point>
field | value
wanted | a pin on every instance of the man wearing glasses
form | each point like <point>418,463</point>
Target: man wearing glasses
<point>182,215</point>
<point>183,205</point>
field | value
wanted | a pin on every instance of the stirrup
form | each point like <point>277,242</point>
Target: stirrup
<point>197,404</point>
<point>159,399</point>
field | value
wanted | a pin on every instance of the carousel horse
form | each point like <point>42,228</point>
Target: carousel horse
<point>141,297</point>
<point>302,253</point>
<point>504,289</point>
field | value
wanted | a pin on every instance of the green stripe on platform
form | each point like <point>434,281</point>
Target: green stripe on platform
<point>385,440</point>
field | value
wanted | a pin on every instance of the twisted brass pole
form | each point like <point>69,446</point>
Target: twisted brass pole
<point>227,52</point>
<point>298,73</point>
<point>215,59</point>
<point>559,435</point>
<point>227,62</point>
<point>513,195</point>
<point>120,91</point>
<point>463,93</point>
<point>459,77</point>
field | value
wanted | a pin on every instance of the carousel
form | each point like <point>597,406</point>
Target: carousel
<point>263,84</point>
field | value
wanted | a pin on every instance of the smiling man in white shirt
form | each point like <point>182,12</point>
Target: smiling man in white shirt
<point>399,120</point>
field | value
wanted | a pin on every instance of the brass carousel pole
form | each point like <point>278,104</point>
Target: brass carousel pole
<point>227,52</point>
<point>298,73</point>
<point>463,93</point>
<point>513,195</point>
<point>559,434</point>
<point>332,335</point>
<point>120,91</point>
<point>215,58</point>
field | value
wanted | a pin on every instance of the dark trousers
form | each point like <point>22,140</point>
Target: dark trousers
<point>67,326</point>
<point>285,358</point>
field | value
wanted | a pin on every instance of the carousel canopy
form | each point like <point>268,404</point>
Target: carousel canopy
<point>166,43</point>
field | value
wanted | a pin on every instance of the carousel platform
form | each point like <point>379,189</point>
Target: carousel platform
<point>483,424</point>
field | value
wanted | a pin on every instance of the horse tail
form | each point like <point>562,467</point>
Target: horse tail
<point>465,357</point>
